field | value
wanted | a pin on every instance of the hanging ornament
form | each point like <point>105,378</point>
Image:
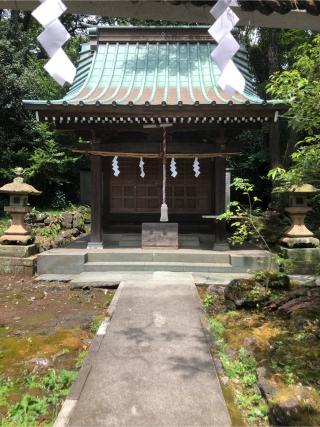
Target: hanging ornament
<point>173,168</point>
<point>141,166</point>
<point>196,167</point>
<point>115,166</point>
<point>53,38</point>
<point>231,79</point>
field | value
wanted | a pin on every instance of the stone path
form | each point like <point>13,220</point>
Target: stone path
<point>153,366</point>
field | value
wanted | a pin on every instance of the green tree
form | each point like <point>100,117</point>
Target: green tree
<point>300,87</point>
<point>23,141</point>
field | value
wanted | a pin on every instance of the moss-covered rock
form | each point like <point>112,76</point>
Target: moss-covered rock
<point>273,279</point>
<point>245,293</point>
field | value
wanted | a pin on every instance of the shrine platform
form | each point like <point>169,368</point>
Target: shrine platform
<point>123,253</point>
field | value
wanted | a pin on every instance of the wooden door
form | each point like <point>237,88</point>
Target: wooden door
<point>185,194</point>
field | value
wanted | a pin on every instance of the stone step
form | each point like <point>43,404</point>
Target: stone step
<point>158,256</point>
<point>157,266</point>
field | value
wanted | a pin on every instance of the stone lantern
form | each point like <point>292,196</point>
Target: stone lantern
<point>299,236</point>
<point>18,232</point>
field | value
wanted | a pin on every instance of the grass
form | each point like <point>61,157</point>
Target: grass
<point>3,224</point>
<point>208,300</point>
<point>241,371</point>
<point>41,400</point>
<point>95,323</point>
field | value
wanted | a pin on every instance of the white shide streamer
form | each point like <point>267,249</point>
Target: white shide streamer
<point>141,166</point>
<point>115,166</point>
<point>53,38</point>
<point>196,167</point>
<point>173,168</point>
<point>231,80</point>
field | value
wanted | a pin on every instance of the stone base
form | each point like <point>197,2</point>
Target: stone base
<point>305,260</point>
<point>300,242</point>
<point>18,266</point>
<point>7,239</point>
<point>18,260</point>
<point>160,235</point>
<point>18,251</point>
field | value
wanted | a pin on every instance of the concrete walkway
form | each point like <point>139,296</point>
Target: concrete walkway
<point>153,366</point>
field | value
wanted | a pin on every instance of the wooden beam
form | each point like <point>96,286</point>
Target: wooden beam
<point>156,155</point>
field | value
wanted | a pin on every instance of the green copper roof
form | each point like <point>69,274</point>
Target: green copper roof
<point>138,72</point>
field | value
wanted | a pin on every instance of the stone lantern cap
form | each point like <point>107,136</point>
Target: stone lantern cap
<point>303,189</point>
<point>18,186</point>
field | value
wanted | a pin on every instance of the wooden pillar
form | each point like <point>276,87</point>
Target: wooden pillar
<point>96,202</point>
<point>220,238</point>
<point>274,145</point>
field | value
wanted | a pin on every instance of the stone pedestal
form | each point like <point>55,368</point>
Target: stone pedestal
<point>18,232</point>
<point>299,236</point>
<point>304,260</point>
<point>159,235</point>
<point>18,260</point>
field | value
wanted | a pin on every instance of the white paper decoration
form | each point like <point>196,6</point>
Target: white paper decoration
<point>173,168</point>
<point>53,38</point>
<point>115,166</point>
<point>196,167</point>
<point>231,79</point>
<point>141,166</point>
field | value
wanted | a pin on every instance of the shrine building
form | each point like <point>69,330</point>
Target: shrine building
<point>143,96</point>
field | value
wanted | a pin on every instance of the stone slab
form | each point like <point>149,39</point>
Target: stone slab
<point>62,261</point>
<point>20,251</point>
<point>154,366</point>
<point>160,235</point>
<point>208,279</point>
<point>55,277</point>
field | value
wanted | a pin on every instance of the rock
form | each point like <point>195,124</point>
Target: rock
<point>41,217</point>
<point>249,343</point>
<point>216,289</point>
<point>245,293</point>
<point>67,220</point>
<point>266,386</point>
<point>77,220</point>
<point>289,404</point>
<point>295,405</point>
<point>75,232</point>
<point>303,299</point>
<point>67,234</point>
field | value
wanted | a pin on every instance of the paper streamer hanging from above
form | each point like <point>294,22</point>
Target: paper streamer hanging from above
<point>53,38</point>
<point>196,167</point>
<point>231,79</point>
<point>173,168</point>
<point>115,166</point>
<point>141,166</point>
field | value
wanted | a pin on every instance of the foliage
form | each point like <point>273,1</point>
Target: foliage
<point>47,394</point>
<point>305,166</point>
<point>244,219</point>
<point>81,357</point>
<point>208,300</point>
<point>95,323</point>
<point>253,163</point>
<point>50,231</point>
<point>300,87</point>
<point>241,369</point>
<point>6,385</point>
<point>49,163</point>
